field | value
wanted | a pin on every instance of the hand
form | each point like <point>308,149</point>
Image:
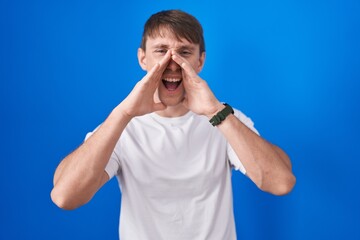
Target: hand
<point>140,101</point>
<point>198,98</point>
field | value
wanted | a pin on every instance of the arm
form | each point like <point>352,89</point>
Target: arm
<point>266,164</point>
<point>82,173</point>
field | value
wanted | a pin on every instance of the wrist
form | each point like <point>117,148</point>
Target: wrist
<point>220,116</point>
<point>217,108</point>
<point>121,112</point>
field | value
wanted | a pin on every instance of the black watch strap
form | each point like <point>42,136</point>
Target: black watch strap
<point>221,116</point>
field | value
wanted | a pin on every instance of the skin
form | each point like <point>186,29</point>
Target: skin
<point>81,174</point>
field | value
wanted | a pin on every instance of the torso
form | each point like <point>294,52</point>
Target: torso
<point>175,180</point>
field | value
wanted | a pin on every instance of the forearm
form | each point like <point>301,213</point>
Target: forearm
<point>81,173</point>
<point>266,165</point>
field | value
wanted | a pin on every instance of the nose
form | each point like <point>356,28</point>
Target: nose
<point>173,66</point>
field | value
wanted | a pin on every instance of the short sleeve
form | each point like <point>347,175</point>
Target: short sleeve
<point>113,166</point>
<point>233,158</point>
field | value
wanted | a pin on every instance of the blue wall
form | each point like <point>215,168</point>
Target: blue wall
<point>292,66</point>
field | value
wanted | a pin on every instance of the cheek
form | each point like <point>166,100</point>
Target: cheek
<point>151,61</point>
<point>196,67</point>
<point>195,63</point>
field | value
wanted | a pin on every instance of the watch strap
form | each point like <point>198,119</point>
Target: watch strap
<point>221,116</point>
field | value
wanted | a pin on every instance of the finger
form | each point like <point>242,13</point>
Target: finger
<point>157,70</point>
<point>186,66</point>
<point>165,61</point>
<point>150,74</point>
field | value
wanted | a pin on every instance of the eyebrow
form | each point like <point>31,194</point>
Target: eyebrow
<point>183,47</point>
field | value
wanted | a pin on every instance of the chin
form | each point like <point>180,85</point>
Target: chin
<point>171,99</point>
<point>172,102</point>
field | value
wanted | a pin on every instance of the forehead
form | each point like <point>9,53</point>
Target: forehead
<point>167,38</point>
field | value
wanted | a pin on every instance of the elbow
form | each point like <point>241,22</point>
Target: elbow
<point>285,186</point>
<point>279,187</point>
<point>63,201</point>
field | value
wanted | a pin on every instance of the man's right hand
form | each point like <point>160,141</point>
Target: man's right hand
<point>140,101</point>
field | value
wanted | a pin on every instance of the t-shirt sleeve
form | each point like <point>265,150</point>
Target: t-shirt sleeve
<point>113,166</point>
<point>233,158</point>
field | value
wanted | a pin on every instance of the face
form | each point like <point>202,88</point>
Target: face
<point>171,91</point>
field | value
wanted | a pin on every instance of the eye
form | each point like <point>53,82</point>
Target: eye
<point>185,53</point>
<point>160,51</point>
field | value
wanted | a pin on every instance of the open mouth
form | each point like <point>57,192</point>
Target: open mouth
<point>171,84</point>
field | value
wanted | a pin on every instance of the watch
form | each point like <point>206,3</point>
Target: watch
<point>221,116</point>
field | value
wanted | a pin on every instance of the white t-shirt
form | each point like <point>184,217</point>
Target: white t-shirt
<point>175,179</point>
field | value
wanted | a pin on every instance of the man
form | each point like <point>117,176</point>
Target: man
<point>172,164</point>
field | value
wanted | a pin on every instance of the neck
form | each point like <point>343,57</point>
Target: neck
<point>173,111</point>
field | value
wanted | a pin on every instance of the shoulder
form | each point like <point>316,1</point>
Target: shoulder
<point>241,116</point>
<point>245,120</point>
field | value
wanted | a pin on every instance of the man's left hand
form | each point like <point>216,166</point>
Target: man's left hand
<point>198,98</point>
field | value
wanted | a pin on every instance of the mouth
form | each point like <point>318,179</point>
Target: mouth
<point>171,84</point>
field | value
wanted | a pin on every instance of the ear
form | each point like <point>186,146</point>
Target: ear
<point>201,62</point>
<point>142,59</point>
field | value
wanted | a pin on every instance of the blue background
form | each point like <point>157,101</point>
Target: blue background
<point>292,66</point>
